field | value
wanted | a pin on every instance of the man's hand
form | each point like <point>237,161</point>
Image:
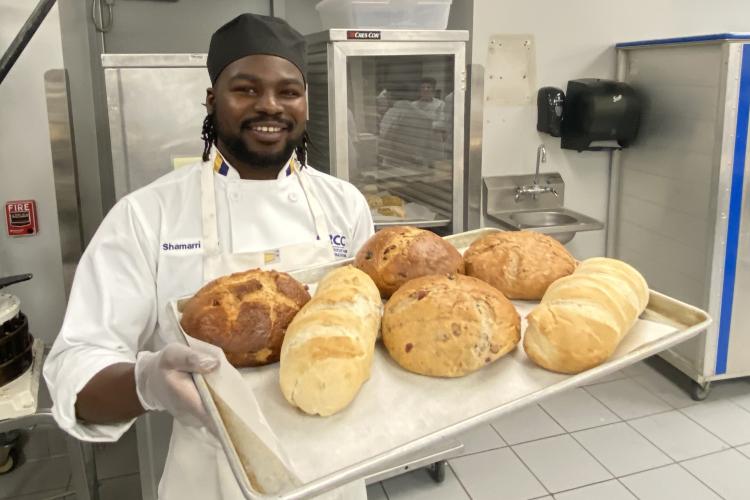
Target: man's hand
<point>163,382</point>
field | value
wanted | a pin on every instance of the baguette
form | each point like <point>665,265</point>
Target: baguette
<point>583,317</point>
<point>328,348</point>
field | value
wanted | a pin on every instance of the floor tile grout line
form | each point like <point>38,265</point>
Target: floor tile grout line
<point>458,478</point>
<point>581,445</point>
<point>480,452</point>
<point>704,427</point>
<point>646,386</point>
<point>628,489</point>
<point>624,419</point>
<point>584,486</point>
<point>700,480</point>
<point>674,460</point>
<point>529,469</point>
<point>663,452</point>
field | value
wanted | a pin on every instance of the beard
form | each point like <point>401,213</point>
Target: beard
<point>239,150</point>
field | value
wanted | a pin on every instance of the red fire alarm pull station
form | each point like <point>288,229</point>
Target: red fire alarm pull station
<point>20,217</point>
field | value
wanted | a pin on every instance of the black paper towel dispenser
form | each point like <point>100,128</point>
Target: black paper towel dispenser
<point>594,111</point>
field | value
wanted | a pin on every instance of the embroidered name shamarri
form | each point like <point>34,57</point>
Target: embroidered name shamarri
<point>181,246</point>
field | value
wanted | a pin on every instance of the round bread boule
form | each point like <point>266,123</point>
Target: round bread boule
<point>395,255</point>
<point>521,264</point>
<point>245,314</point>
<point>449,326</point>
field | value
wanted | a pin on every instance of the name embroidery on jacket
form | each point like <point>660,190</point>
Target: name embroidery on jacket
<point>182,247</point>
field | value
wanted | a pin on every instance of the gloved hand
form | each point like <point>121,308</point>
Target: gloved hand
<point>163,382</point>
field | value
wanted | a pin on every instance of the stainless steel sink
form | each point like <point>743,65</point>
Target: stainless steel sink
<point>560,223</point>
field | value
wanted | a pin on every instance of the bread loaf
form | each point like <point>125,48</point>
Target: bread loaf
<point>583,317</point>
<point>393,211</point>
<point>521,264</point>
<point>449,326</point>
<point>245,314</point>
<point>328,348</point>
<point>396,255</point>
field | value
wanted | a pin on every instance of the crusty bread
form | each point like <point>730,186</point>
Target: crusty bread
<point>392,201</point>
<point>392,211</point>
<point>583,317</point>
<point>246,314</point>
<point>521,264</point>
<point>394,255</point>
<point>374,201</point>
<point>449,326</point>
<point>328,348</point>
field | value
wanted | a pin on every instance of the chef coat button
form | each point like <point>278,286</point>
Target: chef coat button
<point>235,196</point>
<point>293,197</point>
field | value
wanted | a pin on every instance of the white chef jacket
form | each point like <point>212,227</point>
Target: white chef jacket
<point>148,251</point>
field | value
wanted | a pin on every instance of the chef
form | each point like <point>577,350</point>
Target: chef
<point>252,202</point>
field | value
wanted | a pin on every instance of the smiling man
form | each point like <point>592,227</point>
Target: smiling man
<point>252,203</point>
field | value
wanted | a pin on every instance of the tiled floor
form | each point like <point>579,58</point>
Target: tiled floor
<point>634,435</point>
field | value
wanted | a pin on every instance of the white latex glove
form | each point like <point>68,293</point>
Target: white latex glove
<point>163,382</point>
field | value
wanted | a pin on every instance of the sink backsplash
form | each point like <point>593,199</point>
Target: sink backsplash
<point>499,193</point>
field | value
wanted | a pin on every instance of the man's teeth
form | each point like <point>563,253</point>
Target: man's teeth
<point>267,129</point>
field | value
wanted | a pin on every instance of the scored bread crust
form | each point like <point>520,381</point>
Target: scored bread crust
<point>521,264</point>
<point>328,348</point>
<point>583,317</point>
<point>395,255</point>
<point>449,326</point>
<point>245,314</point>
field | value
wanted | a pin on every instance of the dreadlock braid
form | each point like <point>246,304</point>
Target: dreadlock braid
<point>302,148</point>
<point>208,134</point>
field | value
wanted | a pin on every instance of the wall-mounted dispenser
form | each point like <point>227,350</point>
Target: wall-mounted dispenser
<point>596,114</point>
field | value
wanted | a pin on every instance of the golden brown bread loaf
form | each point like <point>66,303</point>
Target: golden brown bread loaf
<point>395,255</point>
<point>448,326</point>
<point>246,314</point>
<point>328,348</point>
<point>583,317</point>
<point>521,264</point>
<point>392,211</point>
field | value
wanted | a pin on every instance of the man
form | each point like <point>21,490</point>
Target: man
<point>252,203</point>
<point>413,131</point>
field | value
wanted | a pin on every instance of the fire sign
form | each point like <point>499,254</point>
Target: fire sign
<point>20,216</point>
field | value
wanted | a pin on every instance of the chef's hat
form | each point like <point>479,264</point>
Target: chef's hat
<point>251,34</point>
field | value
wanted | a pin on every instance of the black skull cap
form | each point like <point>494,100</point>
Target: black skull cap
<point>253,34</point>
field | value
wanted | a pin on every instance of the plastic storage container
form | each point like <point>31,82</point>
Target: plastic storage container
<point>385,14</point>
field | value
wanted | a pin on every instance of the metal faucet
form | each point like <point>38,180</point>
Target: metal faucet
<point>535,189</point>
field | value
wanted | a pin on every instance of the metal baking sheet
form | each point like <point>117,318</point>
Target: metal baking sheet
<point>397,413</point>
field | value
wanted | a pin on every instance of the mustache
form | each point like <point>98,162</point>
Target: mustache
<point>266,120</point>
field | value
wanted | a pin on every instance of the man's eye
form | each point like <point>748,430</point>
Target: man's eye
<point>291,93</point>
<point>246,90</point>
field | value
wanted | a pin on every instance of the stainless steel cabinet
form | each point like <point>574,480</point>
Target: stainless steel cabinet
<point>387,114</point>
